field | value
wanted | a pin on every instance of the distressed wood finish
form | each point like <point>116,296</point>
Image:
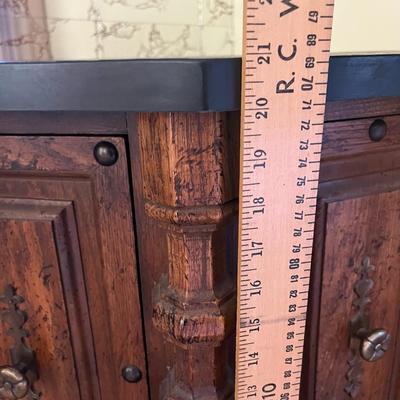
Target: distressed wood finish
<point>357,228</point>
<point>66,219</point>
<point>362,108</point>
<point>59,207</point>
<point>41,251</point>
<point>358,216</point>
<point>70,123</point>
<point>186,189</point>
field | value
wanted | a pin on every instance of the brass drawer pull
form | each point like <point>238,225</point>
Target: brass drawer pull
<point>374,345</point>
<point>16,380</point>
<point>13,383</point>
<point>365,344</point>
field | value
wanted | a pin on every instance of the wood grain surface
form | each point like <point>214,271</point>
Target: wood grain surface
<point>58,207</point>
<point>87,235</point>
<point>357,210</point>
<point>356,228</point>
<point>185,184</point>
<point>38,237</point>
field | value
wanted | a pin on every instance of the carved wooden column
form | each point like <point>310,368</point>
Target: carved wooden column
<point>189,175</point>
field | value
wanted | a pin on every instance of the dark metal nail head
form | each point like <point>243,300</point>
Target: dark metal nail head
<point>132,374</point>
<point>105,153</point>
<point>377,130</point>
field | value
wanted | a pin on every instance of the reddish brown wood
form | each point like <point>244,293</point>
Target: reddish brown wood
<point>363,108</point>
<point>349,151</point>
<point>70,123</point>
<point>356,228</point>
<point>185,186</point>
<point>69,219</point>
<point>350,138</point>
<point>185,215</point>
<point>356,214</point>
<point>39,238</point>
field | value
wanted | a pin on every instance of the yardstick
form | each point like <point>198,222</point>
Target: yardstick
<point>285,73</point>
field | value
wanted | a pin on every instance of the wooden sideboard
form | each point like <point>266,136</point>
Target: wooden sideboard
<point>119,242</point>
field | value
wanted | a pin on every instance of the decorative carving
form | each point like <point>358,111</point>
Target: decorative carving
<point>190,189</point>
<point>16,381</point>
<point>359,327</point>
<point>191,215</point>
<point>186,307</point>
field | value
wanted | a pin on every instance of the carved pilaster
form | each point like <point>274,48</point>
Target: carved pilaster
<point>189,170</point>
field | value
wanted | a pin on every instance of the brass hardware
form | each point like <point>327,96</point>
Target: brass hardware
<point>374,345</point>
<point>365,343</point>
<point>16,380</point>
<point>13,384</point>
<point>105,153</point>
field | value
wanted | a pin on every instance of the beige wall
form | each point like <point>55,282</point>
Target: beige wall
<point>107,29</point>
<point>360,26</point>
<point>366,26</point>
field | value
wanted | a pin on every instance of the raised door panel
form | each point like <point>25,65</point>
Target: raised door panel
<point>40,257</point>
<point>360,286</point>
<point>356,228</point>
<point>73,214</point>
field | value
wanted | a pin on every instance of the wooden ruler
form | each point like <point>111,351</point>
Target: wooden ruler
<point>285,73</point>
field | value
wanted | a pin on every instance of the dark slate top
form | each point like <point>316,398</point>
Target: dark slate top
<point>169,85</point>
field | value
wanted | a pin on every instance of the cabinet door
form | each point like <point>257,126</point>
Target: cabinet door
<point>356,272</point>
<point>360,288</point>
<point>67,248</point>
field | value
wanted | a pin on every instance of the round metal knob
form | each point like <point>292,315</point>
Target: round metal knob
<point>377,130</point>
<point>105,153</point>
<point>374,346</point>
<point>132,374</point>
<point>13,384</point>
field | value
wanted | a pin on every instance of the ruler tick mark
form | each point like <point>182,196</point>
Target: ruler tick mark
<point>267,186</point>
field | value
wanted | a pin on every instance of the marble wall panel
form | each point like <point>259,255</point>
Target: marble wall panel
<point>217,12</point>
<point>23,30</point>
<point>109,29</point>
<point>104,29</point>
